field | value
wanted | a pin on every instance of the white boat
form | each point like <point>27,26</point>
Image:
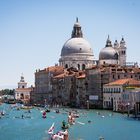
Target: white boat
<point>51,129</point>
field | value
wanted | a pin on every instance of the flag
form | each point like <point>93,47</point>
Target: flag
<point>51,129</point>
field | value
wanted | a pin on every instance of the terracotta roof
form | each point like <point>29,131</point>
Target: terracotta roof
<point>81,76</point>
<point>54,68</point>
<point>59,76</point>
<point>127,81</point>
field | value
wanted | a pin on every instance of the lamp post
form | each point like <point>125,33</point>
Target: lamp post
<point>128,109</point>
<point>87,104</point>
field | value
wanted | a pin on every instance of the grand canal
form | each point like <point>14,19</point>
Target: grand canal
<point>111,126</point>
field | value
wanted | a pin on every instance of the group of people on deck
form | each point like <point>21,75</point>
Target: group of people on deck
<point>61,135</point>
<point>71,118</point>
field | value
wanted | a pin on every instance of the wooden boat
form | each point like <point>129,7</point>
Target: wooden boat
<point>26,107</point>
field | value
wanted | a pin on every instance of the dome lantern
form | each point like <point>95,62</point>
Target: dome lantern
<point>77,32</point>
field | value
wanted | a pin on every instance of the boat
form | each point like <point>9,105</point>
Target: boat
<point>76,115</point>
<point>57,111</point>
<point>51,129</point>
<point>47,110</point>
<point>60,135</point>
<point>26,107</point>
<point>2,113</point>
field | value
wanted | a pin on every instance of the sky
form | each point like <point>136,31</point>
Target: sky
<point>33,32</point>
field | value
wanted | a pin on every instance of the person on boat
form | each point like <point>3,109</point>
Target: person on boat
<point>71,118</point>
<point>64,124</point>
<point>57,136</point>
<point>22,116</point>
<point>65,134</point>
<point>89,121</point>
<point>44,114</point>
<point>57,111</point>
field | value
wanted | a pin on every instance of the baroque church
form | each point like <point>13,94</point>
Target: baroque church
<point>79,77</point>
<point>78,53</point>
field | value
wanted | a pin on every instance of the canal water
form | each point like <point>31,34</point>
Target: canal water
<point>91,125</point>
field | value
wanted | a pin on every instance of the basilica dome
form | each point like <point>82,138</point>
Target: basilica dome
<point>76,52</point>
<point>76,46</point>
<point>108,53</point>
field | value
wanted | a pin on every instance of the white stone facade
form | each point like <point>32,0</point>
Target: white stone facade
<point>22,93</point>
<point>112,97</point>
<point>108,61</point>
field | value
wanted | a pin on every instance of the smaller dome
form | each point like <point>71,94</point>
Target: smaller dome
<point>108,53</point>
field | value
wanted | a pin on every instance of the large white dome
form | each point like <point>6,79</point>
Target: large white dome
<point>76,52</point>
<point>76,46</point>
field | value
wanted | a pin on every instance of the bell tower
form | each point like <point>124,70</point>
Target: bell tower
<point>22,83</point>
<point>122,52</point>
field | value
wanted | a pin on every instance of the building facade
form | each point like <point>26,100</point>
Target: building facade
<point>119,94</point>
<point>100,75</point>
<point>43,84</point>
<point>22,93</point>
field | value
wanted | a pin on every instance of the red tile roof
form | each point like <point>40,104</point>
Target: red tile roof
<point>81,76</point>
<point>127,81</point>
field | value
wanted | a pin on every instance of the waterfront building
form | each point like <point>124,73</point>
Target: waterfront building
<point>81,95</point>
<point>22,93</point>
<point>119,94</point>
<point>78,80</point>
<point>43,84</point>
<point>76,51</point>
<point>70,87</point>
<point>100,75</point>
<point>64,87</point>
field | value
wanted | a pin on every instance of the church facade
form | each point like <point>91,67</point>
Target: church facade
<point>22,92</point>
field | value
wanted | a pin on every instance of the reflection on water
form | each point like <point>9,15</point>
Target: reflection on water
<point>91,125</point>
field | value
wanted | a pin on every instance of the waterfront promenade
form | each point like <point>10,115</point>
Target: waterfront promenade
<point>91,125</point>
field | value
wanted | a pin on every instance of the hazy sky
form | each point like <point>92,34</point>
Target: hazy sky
<point>32,32</point>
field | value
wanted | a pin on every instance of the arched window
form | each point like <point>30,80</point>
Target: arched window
<point>21,96</point>
<point>78,66</point>
<point>124,52</point>
<point>83,66</point>
<point>66,66</point>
